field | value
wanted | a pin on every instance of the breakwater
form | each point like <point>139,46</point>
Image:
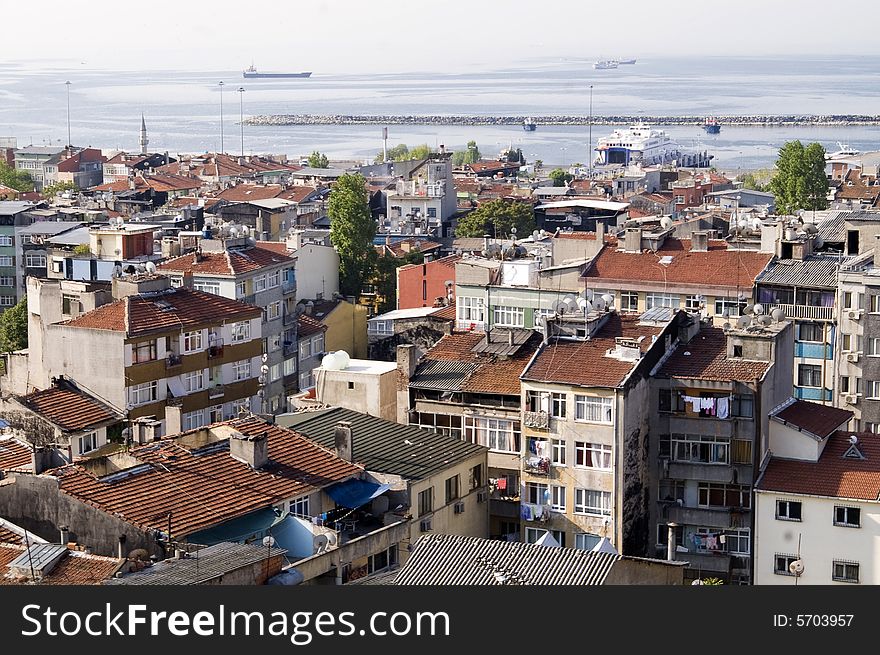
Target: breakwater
<point>480,120</point>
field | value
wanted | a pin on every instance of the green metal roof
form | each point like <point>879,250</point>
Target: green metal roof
<point>384,446</point>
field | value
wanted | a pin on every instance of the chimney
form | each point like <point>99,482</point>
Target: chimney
<point>632,240</point>
<point>342,438</point>
<point>41,459</point>
<point>485,242</point>
<point>253,450</point>
<point>670,541</point>
<point>700,241</point>
<point>65,534</point>
<point>600,233</point>
<point>510,337</point>
<point>173,419</point>
<point>121,549</point>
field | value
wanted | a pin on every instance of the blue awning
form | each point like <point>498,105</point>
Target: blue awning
<point>354,493</point>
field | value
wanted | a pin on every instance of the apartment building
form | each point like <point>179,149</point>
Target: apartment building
<point>185,357</point>
<point>14,217</point>
<point>32,160</point>
<point>709,401</point>
<point>424,199</point>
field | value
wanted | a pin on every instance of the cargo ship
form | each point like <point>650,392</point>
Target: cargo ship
<point>251,73</point>
<point>712,126</point>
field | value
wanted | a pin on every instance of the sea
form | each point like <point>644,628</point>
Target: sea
<point>182,108</point>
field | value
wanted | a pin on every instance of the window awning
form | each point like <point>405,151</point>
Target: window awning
<point>175,386</point>
<point>354,493</point>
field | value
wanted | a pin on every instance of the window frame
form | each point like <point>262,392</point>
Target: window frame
<point>582,507</point>
<point>847,510</point>
<point>789,504</point>
<point>603,404</point>
<point>191,341</point>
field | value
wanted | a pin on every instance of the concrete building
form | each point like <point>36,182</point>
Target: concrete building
<point>82,167</point>
<point>317,268</point>
<point>186,358</point>
<point>310,348</point>
<point>816,500</point>
<point>423,285</point>
<point>14,216</point>
<point>710,401</point>
<point>346,324</point>
<point>32,249</point>
<point>32,160</point>
<point>423,200</point>
<point>361,385</point>
<point>235,268</point>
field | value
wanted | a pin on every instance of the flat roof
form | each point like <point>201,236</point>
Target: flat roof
<point>367,367</point>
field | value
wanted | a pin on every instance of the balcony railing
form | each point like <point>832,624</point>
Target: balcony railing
<point>215,349</point>
<point>289,348</point>
<point>172,361</point>
<point>250,300</point>
<point>216,391</point>
<point>536,419</point>
<point>288,287</point>
<point>289,318</point>
<point>809,312</point>
<point>537,465</point>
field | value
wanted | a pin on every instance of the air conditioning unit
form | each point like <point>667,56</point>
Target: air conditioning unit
<point>482,496</point>
<point>425,525</point>
<point>851,398</point>
<point>854,314</point>
<point>458,508</point>
<point>852,357</point>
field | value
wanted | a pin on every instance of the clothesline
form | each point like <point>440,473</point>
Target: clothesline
<point>713,406</point>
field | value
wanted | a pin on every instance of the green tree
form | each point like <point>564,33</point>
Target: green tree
<point>422,151</point>
<point>757,180</point>
<point>352,229</point>
<point>318,160</point>
<point>560,177</point>
<point>53,190</point>
<point>496,218</point>
<point>800,181</point>
<point>466,156</point>
<point>13,327</point>
<point>385,276</point>
<point>14,178</point>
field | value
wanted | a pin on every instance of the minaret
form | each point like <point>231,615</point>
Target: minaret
<point>143,140</point>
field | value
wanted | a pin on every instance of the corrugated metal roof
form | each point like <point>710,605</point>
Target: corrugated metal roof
<point>862,216</point>
<point>833,227</point>
<point>200,567</point>
<point>384,446</point>
<point>442,374</point>
<point>815,271</point>
<point>445,559</point>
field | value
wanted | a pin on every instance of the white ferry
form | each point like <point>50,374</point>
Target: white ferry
<point>642,144</point>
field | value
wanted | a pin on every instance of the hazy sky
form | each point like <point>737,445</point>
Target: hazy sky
<point>332,36</point>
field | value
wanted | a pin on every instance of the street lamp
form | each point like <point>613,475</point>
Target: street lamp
<point>241,116</point>
<point>564,160</point>
<point>590,148</point>
<point>221,117</point>
<point>67,83</point>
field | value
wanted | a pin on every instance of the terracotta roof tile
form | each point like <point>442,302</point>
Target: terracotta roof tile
<point>279,247</point>
<point>69,408</point>
<point>14,455</point>
<point>815,418</point>
<point>704,357</point>
<point>584,363</point>
<point>9,537</point>
<point>833,475</point>
<point>174,310</point>
<point>308,325</point>
<point>718,266</point>
<point>230,262</point>
<point>207,486</point>
<point>447,312</point>
<point>75,568</point>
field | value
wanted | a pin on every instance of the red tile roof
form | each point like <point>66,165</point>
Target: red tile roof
<point>8,536</point>
<point>275,246</point>
<point>245,192</point>
<point>141,315</point>
<point>815,418</point>
<point>69,408</point>
<point>229,262</point>
<point>580,236</point>
<point>76,568</point>
<point>14,455</point>
<point>486,166</point>
<point>833,475</point>
<point>161,183</point>
<point>206,486</point>
<point>718,266</point>
<point>308,325</point>
<point>447,312</point>
<point>704,357</point>
<point>584,363</point>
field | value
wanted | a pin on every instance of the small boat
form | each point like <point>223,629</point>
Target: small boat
<point>529,125</point>
<point>712,126</point>
<point>605,64</point>
<point>844,151</point>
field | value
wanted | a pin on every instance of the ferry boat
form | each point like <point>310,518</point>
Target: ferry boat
<point>644,145</point>
<point>712,126</point>
<point>605,64</point>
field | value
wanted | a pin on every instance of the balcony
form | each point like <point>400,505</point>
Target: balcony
<point>813,350</point>
<point>705,562</point>
<point>536,420</point>
<point>288,348</point>
<point>812,393</point>
<point>289,318</point>
<point>288,287</point>
<point>537,465</point>
<point>506,509</point>
<point>535,513</point>
<point>718,517</point>
<point>173,361</point>
<point>215,349</point>
<point>216,391</point>
<point>808,312</point>
<point>250,300</point>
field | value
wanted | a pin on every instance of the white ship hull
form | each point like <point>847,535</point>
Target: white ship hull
<point>640,144</point>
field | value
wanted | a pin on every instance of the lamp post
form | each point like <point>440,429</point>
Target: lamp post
<point>221,117</point>
<point>67,83</point>
<point>241,116</point>
<point>590,148</point>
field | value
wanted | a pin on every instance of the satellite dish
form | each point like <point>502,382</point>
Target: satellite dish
<point>818,242</point>
<point>666,222</point>
<point>758,308</point>
<point>608,298</point>
<point>264,369</point>
<point>140,268</point>
<point>539,321</point>
<point>726,325</point>
<point>245,230</point>
<point>233,232</point>
<point>725,313</point>
<point>269,541</point>
<point>765,320</point>
<point>582,304</point>
<point>810,228</point>
<point>343,358</point>
<point>796,567</point>
<point>151,267</point>
<point>743,322</point>
<point>748,309</point>
<point>778,314</point>
<point>853,439</point>
<point>265,357</point>
<point>599,303</point>
<point>560,307</point>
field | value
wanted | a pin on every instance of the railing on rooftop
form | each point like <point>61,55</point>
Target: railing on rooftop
<point>808,312</point>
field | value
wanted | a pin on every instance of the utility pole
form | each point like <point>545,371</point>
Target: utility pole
<point>69,143</point>
<point>241,116</point>
<point>221,117</point>
<point>590,149</point>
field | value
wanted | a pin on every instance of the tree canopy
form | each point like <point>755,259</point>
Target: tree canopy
<point>318,160</point>
<point>53,190</point>
<point>467,156</point>
<point>14,178</point>
<point>800,181</point>
<point>402,152</point>
<point>13,327</point>
<point>352,229</point>
<point>496,218</point>
<point>560,177</point>
<point>385,277</point>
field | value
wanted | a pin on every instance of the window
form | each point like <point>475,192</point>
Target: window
<point>496,434</point>
<point>629,301</point>
<point>592,455</point>
<point>872,427</point>
<point>810,332</point>
<point>275,372</point>
<point>849,517</point>
<point>846,342</point>
<point>259,283</point>
<point>477,476</point>
<point>844,384</point>
<point>207,286</point>
<point>470,310</point>
<point>451,488</point>
<point>7,281</point>
<point>701,449</point>
<point>873,389</point>
<point>305,380</point>
<point>240,289</point>
<point>742,451</point>
<point>589,501</point>
<point>586,541</point>
<point>193,420</point>
<point>557,498</point>
<point>592,409</point>
<point>88,442</point>
<point>660,300</point>
<point>192,341</point>
<point>809,375</point>
<point>537,494</point>
<point>848,300</point>
<point>141,394</point>
<point>274,279</point>
<point>5,240</point>
<point>176,282</point>
<point>6,260</point>
<point>7,301</point>
<point>241,370</point>
<point>671,490</point>
<point>432,212</point>
<point>738,542</point>
<point>145,351</point>
<point>557,452</point>
<point>663,534</point>
<point>215,414</point>
<point>692,303</point>
<point>874,346</point>
<point>299,507</point>
<point>318,344</point>
<point>194,381</point>
<point>537,401</point>
<point>305,349</point>
<point>241,331</point>
<point>274,343</point>
<point>781,564</point>
<point>426,501</point>
<point>273,311</point>
<point>557,404</point>
<point>743,406</point>
<point>875,304</point>
<point>723,495</point>
<point>732,306</point>
<point>290,366</point>
<point>842,571</point>
<point>788,510</point>
<point>509,316</point>
<point>380,327</point>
